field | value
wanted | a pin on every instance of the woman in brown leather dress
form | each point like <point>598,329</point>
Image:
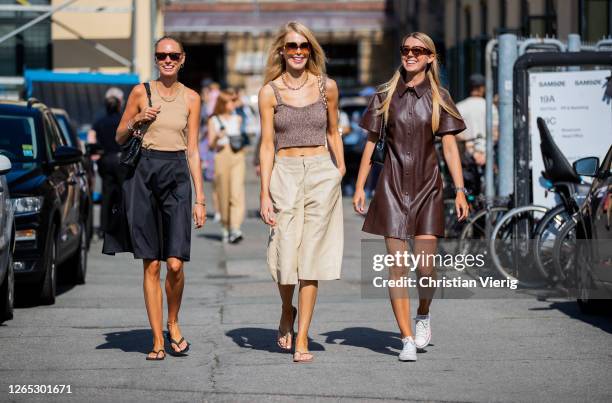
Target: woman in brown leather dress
<point>300,185</point>
<point>408,200</point>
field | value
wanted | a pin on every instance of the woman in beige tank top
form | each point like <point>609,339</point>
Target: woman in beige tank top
<point>300,196</point>
<point>157,193</point>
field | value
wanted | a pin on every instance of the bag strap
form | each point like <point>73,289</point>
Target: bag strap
<point>383,131</point>
<point>148,89</point>
<point>321,80</point>
<point>221,125</point>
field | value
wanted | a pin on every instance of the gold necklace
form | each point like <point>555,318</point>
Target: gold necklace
<point>167,99</point>
<point>299,87</point>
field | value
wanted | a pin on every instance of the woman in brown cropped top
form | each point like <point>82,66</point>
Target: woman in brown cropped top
<point>157,193</point>
<point>300,184</point>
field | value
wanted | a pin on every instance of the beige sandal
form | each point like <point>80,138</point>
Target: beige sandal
<point>285,341</point>
<point>302,357</point>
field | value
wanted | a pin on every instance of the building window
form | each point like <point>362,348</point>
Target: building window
<point>29,49</point>
<point>467,17</point>
<point>484,22</point>
<point>539,24</point>
<point>595,16</point>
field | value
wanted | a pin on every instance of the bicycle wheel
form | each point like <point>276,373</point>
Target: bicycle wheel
<point>474,230</point>
<point>517,248</point>
<point>545,235</point>
<point>564,253</point>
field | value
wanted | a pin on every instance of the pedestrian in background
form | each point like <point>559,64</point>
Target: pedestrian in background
<point>102,134</point>
<point>300,196</point>
<point>472,141</point>
<point>157,193</point>
<point>225,138</point>
<point>408,203</point>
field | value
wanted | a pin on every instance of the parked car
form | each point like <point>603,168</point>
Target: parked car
<point>7,242</point>
<point>594,236</point>
<point>85,169</point>
<point>46,196</point>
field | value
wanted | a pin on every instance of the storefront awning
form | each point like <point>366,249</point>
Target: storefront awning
<point>270,21</point>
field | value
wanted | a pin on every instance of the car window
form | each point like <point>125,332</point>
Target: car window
<point>63,125</point>
<point>18,139</point>
<point>53,136</point>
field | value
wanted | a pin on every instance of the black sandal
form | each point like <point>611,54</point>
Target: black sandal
<point>157,357</point>
<point>173,352</point>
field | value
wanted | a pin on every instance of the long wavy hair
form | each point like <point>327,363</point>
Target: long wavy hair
<point>275,64</point>
<point>433,75</point>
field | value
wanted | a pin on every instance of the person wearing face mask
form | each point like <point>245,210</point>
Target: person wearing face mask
<point>300,196</point>
<point>412,109</point>
<point>157,192</point>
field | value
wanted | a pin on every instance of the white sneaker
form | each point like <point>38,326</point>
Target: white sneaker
<point>217,217</point>
<point>224,235</point>
<point>423,331</point>
<point>408,353</point>
<point>235,236</point>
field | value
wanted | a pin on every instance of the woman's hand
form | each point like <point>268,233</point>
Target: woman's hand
<point>148,114</point>
<point>461,206</point>
<point>199,215</point>
<point>342,170</point>
<point>359,200</point>
<point>267,211</point>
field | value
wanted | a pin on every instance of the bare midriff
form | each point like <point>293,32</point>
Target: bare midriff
<point>301,151</point>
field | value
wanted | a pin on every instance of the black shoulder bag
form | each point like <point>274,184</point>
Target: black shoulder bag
<point>130,150</point>
<point>380,148</point>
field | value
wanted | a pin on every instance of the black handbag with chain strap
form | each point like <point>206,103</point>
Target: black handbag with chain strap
<point>130,150</point>
<point>380,148</point>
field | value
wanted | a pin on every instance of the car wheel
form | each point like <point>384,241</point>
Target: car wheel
<point>7,293</point>
<point>584,284</point>
<point>49,284</point>
<point>77,264</point>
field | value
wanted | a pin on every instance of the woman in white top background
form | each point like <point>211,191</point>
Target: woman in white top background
<point>225,137</point>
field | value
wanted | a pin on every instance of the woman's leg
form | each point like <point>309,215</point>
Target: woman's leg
<point>236,197</point>
<point>286,320</point>
<point>427,245</point>
<point>307,299</point>
<point>175,282</point>
<point>400,300</point>
<point>153,301</point>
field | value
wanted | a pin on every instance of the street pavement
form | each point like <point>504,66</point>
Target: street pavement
<point>96,336</point>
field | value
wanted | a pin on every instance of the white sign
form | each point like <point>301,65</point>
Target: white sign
<point>577,115</point>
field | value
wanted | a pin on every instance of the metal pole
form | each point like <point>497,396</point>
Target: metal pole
<point>134,41</point>
<point>153,33</point>
<point>36,20</point>
<point>489,178</point>
<point>573,45</point>
<point>508,54</point>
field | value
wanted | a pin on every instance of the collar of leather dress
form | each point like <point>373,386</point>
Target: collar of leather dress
<point>419,89</point>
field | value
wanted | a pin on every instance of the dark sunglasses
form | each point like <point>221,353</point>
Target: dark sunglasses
<point>161,56</point>
<point>292,48</point>
<point>417,51</point>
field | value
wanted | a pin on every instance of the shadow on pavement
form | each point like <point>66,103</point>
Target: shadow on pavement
<point>376,340</point>
<point>602,321</point>
<point>212,237</point>
<point>262,339</point>
<point>130,341</point>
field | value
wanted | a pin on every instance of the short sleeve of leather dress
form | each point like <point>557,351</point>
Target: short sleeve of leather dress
<point>409,198</point>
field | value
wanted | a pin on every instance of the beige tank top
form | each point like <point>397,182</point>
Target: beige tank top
<point>169,131</point>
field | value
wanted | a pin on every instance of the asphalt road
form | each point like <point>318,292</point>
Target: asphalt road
<point>96,336</point>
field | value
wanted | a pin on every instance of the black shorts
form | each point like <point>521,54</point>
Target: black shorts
<point>157,197</point>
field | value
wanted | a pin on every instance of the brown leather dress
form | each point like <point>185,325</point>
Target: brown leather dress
<point>408,199</point>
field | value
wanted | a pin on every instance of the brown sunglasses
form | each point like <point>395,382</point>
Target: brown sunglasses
<point>291,48</point>
<point>417,51</point>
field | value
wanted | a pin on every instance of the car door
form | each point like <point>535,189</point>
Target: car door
<point>601,221</point>
<point>64,181</point>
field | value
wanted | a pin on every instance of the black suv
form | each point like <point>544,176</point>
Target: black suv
<point>46,193</point>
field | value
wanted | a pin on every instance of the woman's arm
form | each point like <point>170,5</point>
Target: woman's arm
<point>266,152</point>
<point>334,139</point>
<point>364,171</point>
<point>213,136</point>
<point>193,156</point>
<point>134,114</point>
<point>453,161</point>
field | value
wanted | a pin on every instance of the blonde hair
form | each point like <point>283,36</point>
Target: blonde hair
<point>433,75</point>
<point>275,64</point>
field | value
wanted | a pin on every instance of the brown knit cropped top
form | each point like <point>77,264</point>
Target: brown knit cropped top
<point>299,126</point>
